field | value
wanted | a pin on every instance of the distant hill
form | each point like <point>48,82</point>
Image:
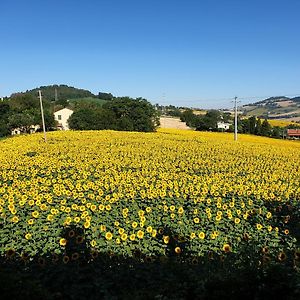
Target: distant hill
<point>280,107</point>
<point>62,92</point>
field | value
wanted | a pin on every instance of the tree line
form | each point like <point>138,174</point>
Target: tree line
<point>209,122</point>
<point>123,113</point>
<point>22,111</point>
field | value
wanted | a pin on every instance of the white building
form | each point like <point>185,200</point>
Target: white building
<point>62,116</point>
<point>223,125</point>
<point>32,129</point>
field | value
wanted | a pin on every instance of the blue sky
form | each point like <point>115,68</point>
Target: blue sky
<point>187,53</point>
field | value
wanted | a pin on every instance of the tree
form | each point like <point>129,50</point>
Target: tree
<point>25,112</point>
<point>4,114</point>
<point>89,118</point>
<point>252,124</point>
<point>22,102</point>
<point>277,132</point>
<point>83,119</point>
<point>257,130</point>
<point>120,114</point>
<point>188,117</point>
<point>266,128</point>
<point>133,114</point>
<point>105,96</point>
<point>23,121</point>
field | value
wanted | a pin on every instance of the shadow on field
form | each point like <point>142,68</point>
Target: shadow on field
<point>81,273</point>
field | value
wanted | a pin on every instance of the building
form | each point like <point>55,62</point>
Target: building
<point>20,130</point>
<point>293,133</point>
<point>62,116</point>
<point>224,126</point>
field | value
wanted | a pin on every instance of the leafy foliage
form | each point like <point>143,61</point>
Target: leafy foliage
<point>124,114</point>
<point>63,92</point>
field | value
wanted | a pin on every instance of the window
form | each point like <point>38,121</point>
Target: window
<point>59,117</point>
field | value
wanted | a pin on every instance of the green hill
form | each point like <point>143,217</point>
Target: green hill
<point>61,92</point>
<point>274,108</point>
<point>75,101</point>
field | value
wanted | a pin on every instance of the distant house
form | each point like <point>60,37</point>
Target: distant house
<point>293,133</point>
<point>32,129</point>
<point>222,125</point>
<point>62,116</point>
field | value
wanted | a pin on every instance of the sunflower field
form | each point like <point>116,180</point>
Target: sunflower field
<point>183,194</point>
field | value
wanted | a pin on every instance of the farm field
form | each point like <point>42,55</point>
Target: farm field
<point>189,195</point>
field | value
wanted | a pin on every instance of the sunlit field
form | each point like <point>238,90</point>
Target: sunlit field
<point>171,192</point>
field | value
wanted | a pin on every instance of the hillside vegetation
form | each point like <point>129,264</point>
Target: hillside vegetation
<point>275,108</point>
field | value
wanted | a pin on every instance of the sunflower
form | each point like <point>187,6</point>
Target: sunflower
<point>71,233</point>
<point>108,236</point>
<point>10,253</point>
<point>226,248</point>
<point>28,236</point>
<point>166,239</point>
<point>132,237</point>
<point>266,259</point>
<point>180,210</point>
<point>63,242</point>
<point>265,250</point>
<point>140,234</point>
<point>297,255</point>
<point>94,254</point>
<point>134,224</point>
<point>79,239</point>
<point>93,243</point>
<point>30,221</point>
<point>259,226</point>
<point>24,256</point>
<point>196,220</point>
<point>66,259</point>
<point>177,250</point>
<point>195,261</point>
<point>75,256</point>
<point>281,256</point>
<point>124,237</point>
<point>218,218</point>
<point>246,236</point>
<point>237,220</point>
<point>201,235</point>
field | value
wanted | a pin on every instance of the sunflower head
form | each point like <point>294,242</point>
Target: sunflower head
<point>177,250</point>
<point>66,259</point>
<point>226,248</point>
<point>10,253</point>
<point>281,256</point>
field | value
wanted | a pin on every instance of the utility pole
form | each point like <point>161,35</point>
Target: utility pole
<point>42,113</point>
<point>235,119</point>
<point>56,98</point>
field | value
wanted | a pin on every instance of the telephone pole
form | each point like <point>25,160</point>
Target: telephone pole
<point>42,113</point>
<point>56,97</point>
<point>235,119</point>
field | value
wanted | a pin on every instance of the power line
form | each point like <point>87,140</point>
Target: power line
<point>186,101</point>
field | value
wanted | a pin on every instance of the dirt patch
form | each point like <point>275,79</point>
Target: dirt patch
<point>285,103</point>
<point>167,122</point>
